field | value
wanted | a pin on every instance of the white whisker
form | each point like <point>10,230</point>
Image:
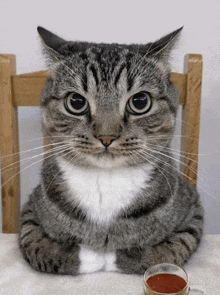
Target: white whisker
<point>179,161</point>
<point>30,150</point>
<point>173,167</point>
<point>180,172</point>
<point>61,169</point>
<point>32,165</point>
<point>141,153</point>
<point>35,156</point>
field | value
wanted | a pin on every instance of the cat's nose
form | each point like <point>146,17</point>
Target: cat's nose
<point>106,140</point>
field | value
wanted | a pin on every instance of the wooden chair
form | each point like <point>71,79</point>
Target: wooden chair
<point>25,90</point>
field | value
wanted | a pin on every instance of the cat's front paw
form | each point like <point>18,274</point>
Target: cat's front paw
<point>132,261</point>
<point>110,262</point>
<point>92,261</point>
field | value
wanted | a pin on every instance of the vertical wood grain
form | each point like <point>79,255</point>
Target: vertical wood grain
<point>191,117</point>
<point>46,146</point>
<point>9,148</point>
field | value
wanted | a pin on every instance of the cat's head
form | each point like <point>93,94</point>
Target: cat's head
<point>108,104</point>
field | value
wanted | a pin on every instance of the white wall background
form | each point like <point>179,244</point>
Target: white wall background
<point>123,21</point>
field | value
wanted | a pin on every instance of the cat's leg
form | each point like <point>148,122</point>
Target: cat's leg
<point>48,255</point>
<point>43,253</point>
<point>136,261</point>
<point>177,248</point>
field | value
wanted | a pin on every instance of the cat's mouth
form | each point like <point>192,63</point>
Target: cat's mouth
<point>109,152</point>
<point>119,153</point>
<point>111,157</point>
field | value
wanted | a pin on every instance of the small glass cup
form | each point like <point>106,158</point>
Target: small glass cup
<point>165,270</point>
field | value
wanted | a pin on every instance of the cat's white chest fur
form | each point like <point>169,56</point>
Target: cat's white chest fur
<point>102,193</point>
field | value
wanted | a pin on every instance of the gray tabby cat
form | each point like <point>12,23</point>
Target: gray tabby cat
<point>110,197</point>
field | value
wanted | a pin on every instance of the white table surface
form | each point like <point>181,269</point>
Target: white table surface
<point>18,278</point>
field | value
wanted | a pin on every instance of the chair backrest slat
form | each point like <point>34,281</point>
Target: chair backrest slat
<point>9,146</point>
<point>191,117</point>
<point>27,88</point>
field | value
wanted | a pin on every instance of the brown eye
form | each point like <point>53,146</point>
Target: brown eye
<point>76,104</point>
<point>139,103</point>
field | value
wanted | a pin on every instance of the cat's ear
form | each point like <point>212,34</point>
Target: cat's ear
<point>50,40</point>
<point>162,47</point>
<point>51,45</point>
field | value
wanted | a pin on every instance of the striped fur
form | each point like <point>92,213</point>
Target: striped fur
<point>110,196</point>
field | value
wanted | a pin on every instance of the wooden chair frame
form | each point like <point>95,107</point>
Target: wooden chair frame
<point>25,90</point>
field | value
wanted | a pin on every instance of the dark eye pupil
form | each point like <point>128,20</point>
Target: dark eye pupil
<point>140,101</point>
<point>77,102</point>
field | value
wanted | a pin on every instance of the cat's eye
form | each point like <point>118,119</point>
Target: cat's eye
<point>76,104</point>
<point>139,103</point>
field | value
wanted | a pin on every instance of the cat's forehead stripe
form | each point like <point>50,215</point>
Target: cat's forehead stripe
<point>95,74</point>
<point>118,75</point>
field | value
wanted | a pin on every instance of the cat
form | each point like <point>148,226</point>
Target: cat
<point>110,196</point>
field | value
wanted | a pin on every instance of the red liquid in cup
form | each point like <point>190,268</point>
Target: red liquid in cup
<point>166,283</point>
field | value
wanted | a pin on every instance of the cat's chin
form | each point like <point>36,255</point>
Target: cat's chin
<point>107,161</point>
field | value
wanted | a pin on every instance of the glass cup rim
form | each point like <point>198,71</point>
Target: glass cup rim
<point>145,281</point>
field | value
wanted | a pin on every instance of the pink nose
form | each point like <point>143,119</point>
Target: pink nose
<point>106,140</point>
